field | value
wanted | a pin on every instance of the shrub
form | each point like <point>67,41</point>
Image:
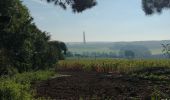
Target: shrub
<point>18,87</point>
<point>10,90</point>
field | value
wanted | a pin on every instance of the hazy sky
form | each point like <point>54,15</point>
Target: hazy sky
<point>110,20</point>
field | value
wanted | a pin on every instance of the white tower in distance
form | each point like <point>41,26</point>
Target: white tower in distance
<point>84,38</point>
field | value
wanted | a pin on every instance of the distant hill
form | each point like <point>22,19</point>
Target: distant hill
<point>77,47</point>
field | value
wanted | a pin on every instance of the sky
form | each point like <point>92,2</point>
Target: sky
<point>109,21</point>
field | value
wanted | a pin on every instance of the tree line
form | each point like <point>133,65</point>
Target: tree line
<point>24,47</point>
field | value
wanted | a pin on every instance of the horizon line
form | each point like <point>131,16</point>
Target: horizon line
<point>115,41</point>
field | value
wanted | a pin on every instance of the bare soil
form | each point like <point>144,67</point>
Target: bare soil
<point>73,85</point>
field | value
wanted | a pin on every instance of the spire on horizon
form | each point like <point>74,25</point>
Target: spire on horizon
<point>84,38</point>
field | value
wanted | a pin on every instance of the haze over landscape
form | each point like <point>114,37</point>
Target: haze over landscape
<point>84,50</point>
<point>114,20</point>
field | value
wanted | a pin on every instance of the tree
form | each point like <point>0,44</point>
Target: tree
<point>166,50</point>
<point>63,47</point>
<point>58,49</point>
<point>69,54</point>
<point>149,6</point>
<point>22,45</point>
<point>129,54</point>
<point>155,6</point>
<point>14,41</point>
<point>139,51</point>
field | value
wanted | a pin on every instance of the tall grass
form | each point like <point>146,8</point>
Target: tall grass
<point>111,65</point>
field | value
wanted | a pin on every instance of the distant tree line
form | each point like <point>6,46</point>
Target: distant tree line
<point>134,51</point>
<point>24,47</point>
<point>92,54</point>
<point>125,51</point>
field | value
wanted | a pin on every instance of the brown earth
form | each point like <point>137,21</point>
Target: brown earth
<point>100,86</point>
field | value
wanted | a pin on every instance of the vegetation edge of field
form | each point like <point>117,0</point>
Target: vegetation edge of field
<point>112,65</point>
<point>18,87</point>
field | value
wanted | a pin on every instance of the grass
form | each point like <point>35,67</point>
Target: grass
<point>18,87</point>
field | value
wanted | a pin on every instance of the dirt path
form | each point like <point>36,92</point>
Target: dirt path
<point>95,86</point>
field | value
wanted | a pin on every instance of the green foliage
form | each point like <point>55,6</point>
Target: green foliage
<point>57,48</point>
<point>23,46</point>
<point>18,87</point>
<point>18,39</point>
<point>76,5</point>
<point>10,90</point>
<point>28,77</point>
<point>129,54</point>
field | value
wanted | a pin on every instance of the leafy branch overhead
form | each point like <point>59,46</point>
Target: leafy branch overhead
<point>148,6</point>
<point>76,5</point>
<point>155,6</point>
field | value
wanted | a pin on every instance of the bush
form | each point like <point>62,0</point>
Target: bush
<point>10,90</point>
<point>18,87</point>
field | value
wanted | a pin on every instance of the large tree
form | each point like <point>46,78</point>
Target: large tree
<point>22,45</point>
<point>149,6</point>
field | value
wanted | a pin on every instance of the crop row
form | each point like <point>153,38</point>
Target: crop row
<point>111,65</point>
